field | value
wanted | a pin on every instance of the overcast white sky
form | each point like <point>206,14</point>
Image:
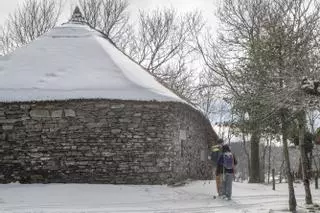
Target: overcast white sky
<point>207,6</point>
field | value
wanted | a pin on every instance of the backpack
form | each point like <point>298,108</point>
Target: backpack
<point>215,154</point>
<point>228,160</point>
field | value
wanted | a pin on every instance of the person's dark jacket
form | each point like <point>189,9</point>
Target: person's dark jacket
<point>220,169</point>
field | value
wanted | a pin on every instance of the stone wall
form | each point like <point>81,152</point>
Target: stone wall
<point>195,136</point>
<point>103,141</point>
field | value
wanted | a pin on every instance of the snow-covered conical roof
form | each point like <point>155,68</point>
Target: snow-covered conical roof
<point>74,61</point>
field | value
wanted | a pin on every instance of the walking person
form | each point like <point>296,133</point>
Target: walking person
<point>227,163</point>
<point>216,152</point>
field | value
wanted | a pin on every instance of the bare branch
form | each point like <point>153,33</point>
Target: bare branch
<point>110,17</point>
<point>28,22</point>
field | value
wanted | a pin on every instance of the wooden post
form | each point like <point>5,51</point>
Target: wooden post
<point>273,181</point>
<point>316,180</point>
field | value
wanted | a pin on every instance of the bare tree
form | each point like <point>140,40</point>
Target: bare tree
<point>220,59</point>
<point>265,49</point>
<point>179,77</point>
<point>162,46</point>
<point>162,35</point>
<point>159,38</point>
<point>28,22</point>
<point>111,18</point>
<point>296,49</point>
<point>209,97</point>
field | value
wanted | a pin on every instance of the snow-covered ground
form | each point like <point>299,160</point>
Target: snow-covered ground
<point>194,197</point>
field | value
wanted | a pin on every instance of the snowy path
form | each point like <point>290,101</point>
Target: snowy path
<point>195,197</point>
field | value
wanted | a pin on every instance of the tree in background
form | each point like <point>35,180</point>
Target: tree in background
<point>28,22</point>
<point>232,60</point>
<point>162,46</point>
<point>264,50</point>
<point>209,96</point>
<point>291,44</point>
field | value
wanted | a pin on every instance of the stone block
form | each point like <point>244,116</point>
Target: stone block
<point>36,155</point>
<point>117,106</point>
<point>83,163</point>
<point>84,148</point>
<point>69,113</point>
<point>115,131</point>
<point>88,154</point>
<point>153,170</point>
<point>38,113</point>
<point>24,106</point>
<point>8,121</point>
<point>110,114</point>
<point>45,158</point>
<point>153,106</point>
<point>146,116</point>
<point>108,154</point>
<point>151,128</point>
<point>150,153</point>
<point>11,137</point>
<point>7,127</point>
<point>66,147</point>
<point>56,114</point>
<point>8,157</point>
<point>24,117</point>
<point>102,105</point>
<point>124,120</point>
<point>74,128</point>
<point>94,125</point>
<point>70,163</point>
<point>133,125</point>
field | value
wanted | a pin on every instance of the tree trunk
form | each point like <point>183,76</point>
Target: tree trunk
<point>281,170</point>
<point>310,169</point>
<point>255,160</point>
<point>299,173</point>
<point>263,165</point>
<point>247,153</point>
<point>304,158</point>
<point>269,162</point>
<point>316,173</point>
<point>292,197</point>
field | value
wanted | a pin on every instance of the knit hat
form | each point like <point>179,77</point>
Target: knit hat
<point>226,148</point>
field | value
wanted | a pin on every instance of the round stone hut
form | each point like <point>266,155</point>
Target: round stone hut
<point>75,109</point>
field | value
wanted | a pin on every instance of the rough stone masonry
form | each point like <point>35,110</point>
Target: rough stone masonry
<point>103,141</point>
